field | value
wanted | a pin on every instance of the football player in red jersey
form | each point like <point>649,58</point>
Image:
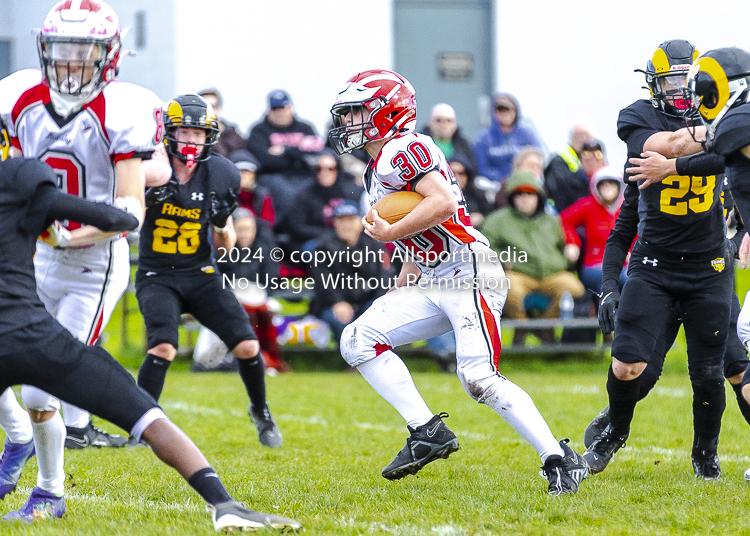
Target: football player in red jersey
<point>451,280</point>
<point>94,134</point>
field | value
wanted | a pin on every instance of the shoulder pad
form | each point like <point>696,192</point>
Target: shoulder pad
<point>733,131</point>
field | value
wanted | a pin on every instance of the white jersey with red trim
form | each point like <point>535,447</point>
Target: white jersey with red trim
<point>122,121</point>
<point>401,164</point>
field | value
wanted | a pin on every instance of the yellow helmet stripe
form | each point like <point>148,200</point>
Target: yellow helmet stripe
<point>174,112</point>
<point>660,61</point>
<point>711,67</point>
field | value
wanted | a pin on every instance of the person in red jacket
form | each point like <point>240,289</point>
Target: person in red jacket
<point>596,214</point>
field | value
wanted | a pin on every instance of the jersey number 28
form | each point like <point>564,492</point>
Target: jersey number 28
<point>187,242</point>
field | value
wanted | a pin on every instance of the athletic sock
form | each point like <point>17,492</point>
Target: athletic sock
<point>74,417</point>
<point>647,381</point>
<point>709,402</point>
<point>623,396</point>
<point>152,375</point>
<point>390,378</point>
<point>49,441</point>
<point>741,402</point>
<point>14,420</point>
<point>517,408</point>
<point>253,374</point>
<point>209,486</point>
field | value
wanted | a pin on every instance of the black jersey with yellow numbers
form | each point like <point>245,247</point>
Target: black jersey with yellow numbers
<point>682,215</point>
<point>175,232</point>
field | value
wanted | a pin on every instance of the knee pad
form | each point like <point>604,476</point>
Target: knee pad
<point>359,344</point>
<point>349,345</point>
<point>479,380</point>
<point>38,400</point>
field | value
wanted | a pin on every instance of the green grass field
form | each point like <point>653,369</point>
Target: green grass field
<point>339,434</point>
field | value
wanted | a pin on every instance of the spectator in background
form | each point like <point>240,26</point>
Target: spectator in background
<point>593,158</point>
<point>476,202</point>
<point>252,196</point>
<point>446,133</point>
<point>564,178</point>
<point>254,264</point>
<point>283,145</point>
<point>529,159</point>
<point>339,304</point>
<point>531,245</point>
<point>597,214</point>
<point>230,139</point>
<point>497,145</point>
<point>313,206</point>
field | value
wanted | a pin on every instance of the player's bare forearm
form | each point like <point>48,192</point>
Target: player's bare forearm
<point>677,143</point>
<point>87,235</point>
<point>157,171</point>
<point>130,182</point>
<point>227,238</point>
<point>438,205</point>
<point>650,168</point>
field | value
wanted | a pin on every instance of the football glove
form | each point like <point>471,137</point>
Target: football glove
<point>55,235</point>
<point>159,194</point>
<point>610,299</point>
<point>222,208</point>
<point>130,205</point>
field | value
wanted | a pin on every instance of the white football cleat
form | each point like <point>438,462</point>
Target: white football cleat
<point>232,515</point>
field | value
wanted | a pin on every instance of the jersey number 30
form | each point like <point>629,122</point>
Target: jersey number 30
<point>187,242</point>
<point>701,187</point>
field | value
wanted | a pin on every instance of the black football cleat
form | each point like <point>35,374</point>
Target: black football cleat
<point>268,432</point>
<point>565,473</point>
<point>91,436</point>
<point>705,459</point>
<point>425,444</point>
<point>602,449</point>
<point>596,427</point>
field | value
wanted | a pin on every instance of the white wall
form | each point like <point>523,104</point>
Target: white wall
<point>577,57</point>
<point>246,48</point>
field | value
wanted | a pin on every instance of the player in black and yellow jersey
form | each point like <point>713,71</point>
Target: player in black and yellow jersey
<point>175,270</point>
<point>719,86</point>
<point>681,255</point>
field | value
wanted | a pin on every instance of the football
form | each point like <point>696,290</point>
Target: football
<point>393,207</point>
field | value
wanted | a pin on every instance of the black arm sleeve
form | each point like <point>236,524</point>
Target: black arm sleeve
<point>101,216</point>
<point>739,183</point>
<point>700,165</point>
<point>620,239</point>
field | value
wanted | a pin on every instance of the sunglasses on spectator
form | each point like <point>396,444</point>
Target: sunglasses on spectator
<point>327,168</point>
<point>595,153</point>
<point>502,108</point>
<point>443,119</point>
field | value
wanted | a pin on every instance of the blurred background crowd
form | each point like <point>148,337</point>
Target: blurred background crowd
<point>299,195</point>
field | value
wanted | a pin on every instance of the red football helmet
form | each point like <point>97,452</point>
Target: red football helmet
<point>378,104</point>
<point>79,48</point>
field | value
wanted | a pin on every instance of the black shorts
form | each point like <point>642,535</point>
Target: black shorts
<point>646,313</point>
<point>735,356</point>
<point>162,298</point>
<point>85,376</point>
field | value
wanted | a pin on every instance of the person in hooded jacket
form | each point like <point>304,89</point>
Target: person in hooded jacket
<point>596,214</point>
<point>530,243</point>
<point>498,144</point>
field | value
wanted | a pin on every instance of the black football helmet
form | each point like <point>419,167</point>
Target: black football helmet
<point>190,111</point>
<point>718,81</point>
<point>666,72</point>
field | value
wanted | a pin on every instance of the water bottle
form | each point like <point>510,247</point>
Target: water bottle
<point>566,306</point>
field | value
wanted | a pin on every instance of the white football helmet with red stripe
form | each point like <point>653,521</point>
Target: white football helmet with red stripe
<point>79,48</point>
<point>374,105</point>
